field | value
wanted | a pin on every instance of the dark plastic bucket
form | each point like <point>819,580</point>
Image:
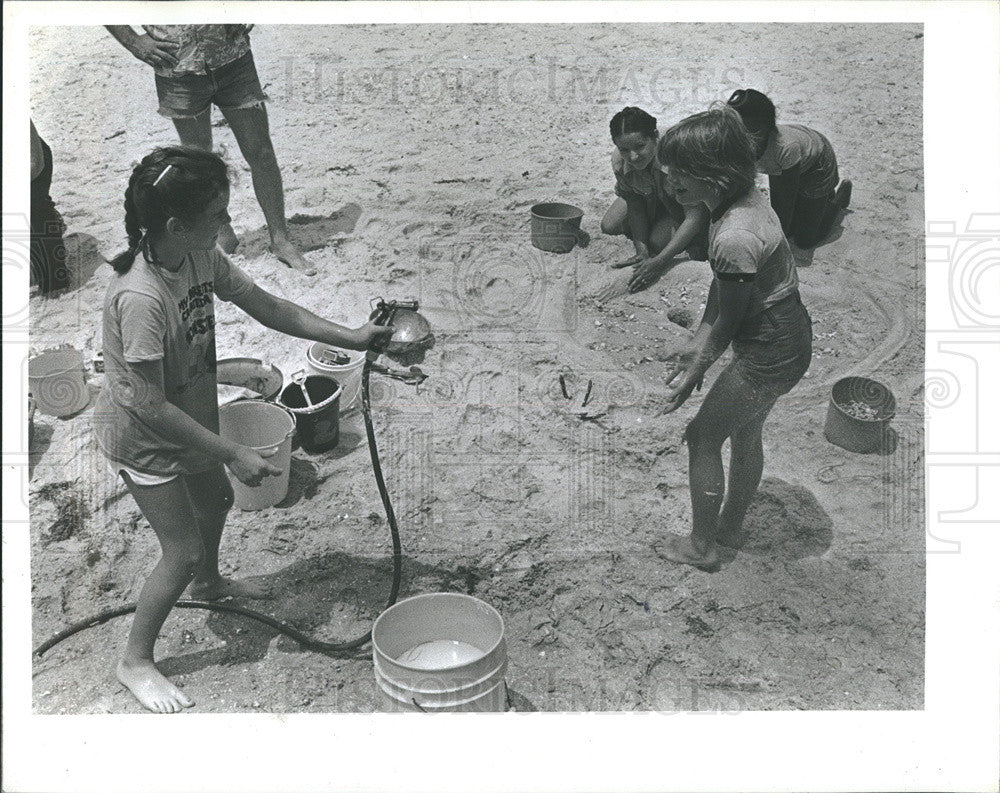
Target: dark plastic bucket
<point>859,413</point>
<point>555,227</point>
<point>319,424</point>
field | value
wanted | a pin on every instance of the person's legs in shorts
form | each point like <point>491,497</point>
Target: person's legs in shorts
<point>253,135</point>
<point>187,102</point>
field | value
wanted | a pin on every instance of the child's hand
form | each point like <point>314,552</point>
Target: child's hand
<point>646,274</point>
<point>250,467</point>
<point>372,336</point>
<point>679,393</point>
<point>630,262</point>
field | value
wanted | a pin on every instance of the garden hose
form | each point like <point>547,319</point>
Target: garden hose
<point>308,642</point>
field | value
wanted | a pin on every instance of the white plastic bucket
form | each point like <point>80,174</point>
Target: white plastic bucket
<point>57,382</point>
<point>265,428</point>
<point>440,652</point>
<point>321,358</point>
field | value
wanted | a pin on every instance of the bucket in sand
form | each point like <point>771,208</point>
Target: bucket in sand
<point>344,366</point>
<point>267,429</point>
<point>440,652</point>
<point>858,416</point>
<point>555,227</point>
<point>318,417</point>
<point>57,382</point>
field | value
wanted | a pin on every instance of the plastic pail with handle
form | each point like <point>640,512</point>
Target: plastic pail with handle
<point>318,417</point>
<point>440,652</point>
<point>57,382</point>
<point>267,429</point>
<point>344,366</point>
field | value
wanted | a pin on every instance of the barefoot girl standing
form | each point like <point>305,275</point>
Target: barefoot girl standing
<point>753,304</point>
<point>157,417</point>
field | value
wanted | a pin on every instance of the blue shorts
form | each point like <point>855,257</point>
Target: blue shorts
<point>233,86</point>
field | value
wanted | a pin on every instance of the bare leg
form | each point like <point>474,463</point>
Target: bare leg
<point>212,497</point>
<point>250,126</point>
<point>196,131</point>
<point>746,464</point>
<point>731,404</point>
<point>661,234</point>
<point>168,509</point>
<point>615,220</point>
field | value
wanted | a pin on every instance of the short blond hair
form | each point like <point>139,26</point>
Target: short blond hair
<point>713,146</point>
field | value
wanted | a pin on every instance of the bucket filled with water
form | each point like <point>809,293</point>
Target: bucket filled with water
<point>267,429</point>
<point>57,382</point>
<point>440,652</point>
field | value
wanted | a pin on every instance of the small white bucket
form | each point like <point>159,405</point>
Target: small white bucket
<point>322,359</point>
<point>440,652</point>
<point>57,382</point>
<point>267,429</point>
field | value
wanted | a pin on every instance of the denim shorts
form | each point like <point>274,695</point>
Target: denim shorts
<point>774,348</point>
<point>230,87</point>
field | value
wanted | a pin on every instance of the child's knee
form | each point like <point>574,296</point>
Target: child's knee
<point>697,434</point>
<point>259,151</point>
<point>659,240</point>
<point>611,226</point>
<point>219,498</point>
<point>185,560</point>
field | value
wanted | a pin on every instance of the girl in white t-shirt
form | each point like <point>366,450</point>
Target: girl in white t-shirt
<point>157,416</point>
<point>753,304</point>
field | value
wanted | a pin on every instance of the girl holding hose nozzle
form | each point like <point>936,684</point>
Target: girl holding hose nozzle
<point>157,417</point>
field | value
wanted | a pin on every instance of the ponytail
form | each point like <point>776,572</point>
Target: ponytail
<point>171,181</point>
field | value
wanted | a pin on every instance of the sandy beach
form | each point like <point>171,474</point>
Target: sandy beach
<point>411,156</point>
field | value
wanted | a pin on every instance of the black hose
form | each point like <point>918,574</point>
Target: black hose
<point>305,640</point>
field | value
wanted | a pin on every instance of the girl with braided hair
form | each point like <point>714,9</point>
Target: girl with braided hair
<point>157,418</point>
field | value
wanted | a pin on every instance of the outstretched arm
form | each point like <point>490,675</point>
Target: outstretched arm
<point>158,53</point>
<point>287,317</point>
<point>695,219</point>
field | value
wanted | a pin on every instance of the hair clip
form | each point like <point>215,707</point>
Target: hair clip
<point>162,174</point>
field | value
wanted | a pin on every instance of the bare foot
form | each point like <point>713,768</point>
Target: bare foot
<point>226,588</point>
<point>151,688</point>
<point>680,549</point>
<point>228,240</point>
<point>289,254</point>
<point>730,539</point>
